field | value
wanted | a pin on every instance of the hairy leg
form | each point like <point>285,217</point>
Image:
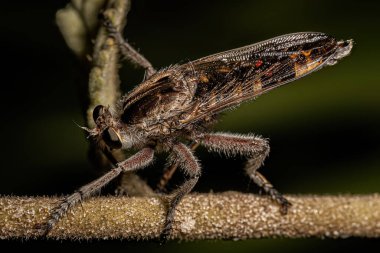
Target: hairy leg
<point>189,164</point>
<point>137,161</point>
<point>170,169</point>
<point>256,149</point>
<point>127,51</point>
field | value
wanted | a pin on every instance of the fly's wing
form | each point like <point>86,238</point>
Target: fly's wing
<point>226,79</point>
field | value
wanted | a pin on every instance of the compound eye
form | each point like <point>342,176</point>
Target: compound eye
<point>98,110</point>
<point>112,138</point>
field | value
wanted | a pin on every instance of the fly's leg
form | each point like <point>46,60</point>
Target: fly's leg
<point>251,168</point>
<point>189,164</point>
<point>256,149</point>
<point>137,161</point>
<point>169,171</point>
<point>127,51</point>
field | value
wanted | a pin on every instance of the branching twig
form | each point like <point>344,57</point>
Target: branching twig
<point>228,215</point>
<point>85,36</point>
<point>104,79</point>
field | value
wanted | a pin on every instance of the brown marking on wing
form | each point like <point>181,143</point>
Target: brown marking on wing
<point>257,85</point>
<point>203,78</point>
<point>239,90</point>
<point>213,99</point>
<point>306,65</point>
<point>224,69</point>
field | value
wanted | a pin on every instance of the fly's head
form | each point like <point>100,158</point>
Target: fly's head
<point>106,130</point>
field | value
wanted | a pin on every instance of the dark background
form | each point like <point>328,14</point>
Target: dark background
<point>323,129</point>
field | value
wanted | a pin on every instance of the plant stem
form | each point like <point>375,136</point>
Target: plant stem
<point>229,215</point>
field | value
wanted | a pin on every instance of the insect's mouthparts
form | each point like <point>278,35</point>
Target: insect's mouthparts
<point>343,49</point>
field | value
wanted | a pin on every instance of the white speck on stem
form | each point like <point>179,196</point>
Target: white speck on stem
<point>187,225</point>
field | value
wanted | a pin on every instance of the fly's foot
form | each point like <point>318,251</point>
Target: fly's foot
<point>280,200</point>
<point>165,233</point>
<point>170,202</point>
<point>42,229</point>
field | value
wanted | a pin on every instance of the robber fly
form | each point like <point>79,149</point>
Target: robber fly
<point>176,106</point>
